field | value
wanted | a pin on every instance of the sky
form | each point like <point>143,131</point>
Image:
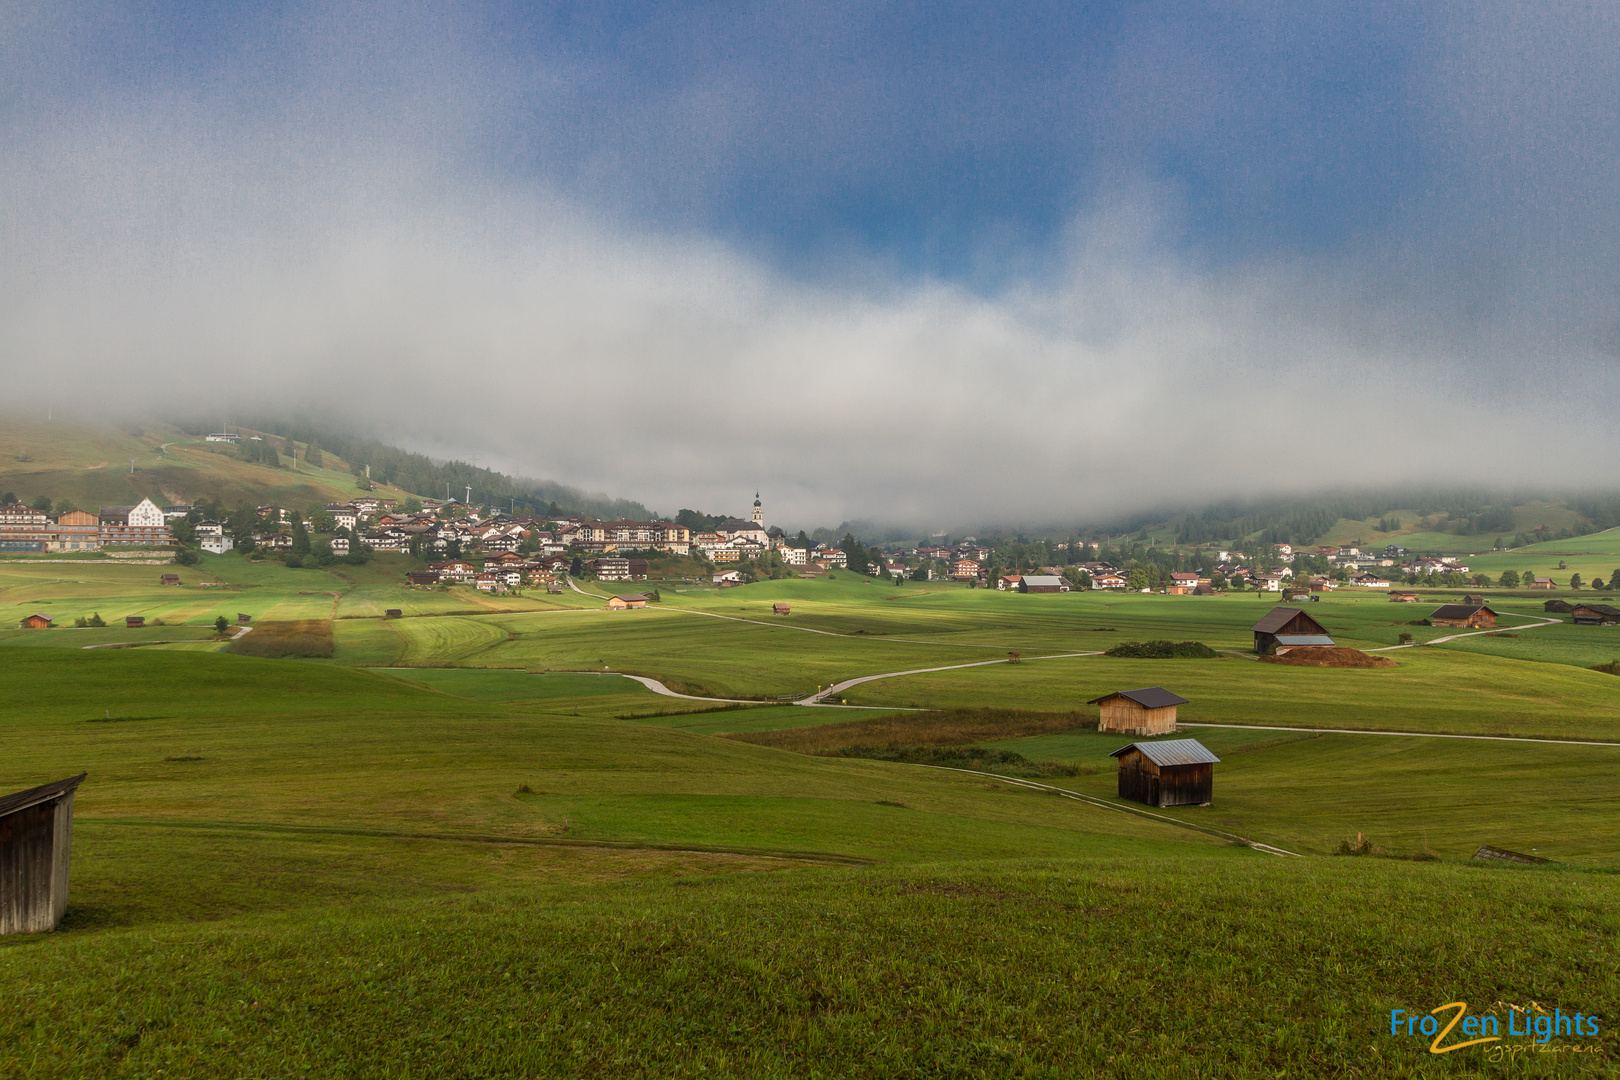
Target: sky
<point>944,265</point>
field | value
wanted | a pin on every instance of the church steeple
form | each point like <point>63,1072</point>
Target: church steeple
<point>759,511</point>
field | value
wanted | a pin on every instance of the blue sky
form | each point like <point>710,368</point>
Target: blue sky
<point>1061,196</point>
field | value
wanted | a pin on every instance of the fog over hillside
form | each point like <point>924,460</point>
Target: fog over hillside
<point>680,270</point>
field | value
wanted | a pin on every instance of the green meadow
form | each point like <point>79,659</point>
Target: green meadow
<point>468,845</point>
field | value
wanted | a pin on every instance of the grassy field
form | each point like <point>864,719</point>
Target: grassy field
<point>466,845</point>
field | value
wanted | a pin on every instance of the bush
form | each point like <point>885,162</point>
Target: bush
<point>1611,668</point>
<point>96,620</point>
<point>1163,650</point>
<point>186,557</point>
<point>294,562</point>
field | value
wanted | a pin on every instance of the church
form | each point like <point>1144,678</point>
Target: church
<point>752,530</point>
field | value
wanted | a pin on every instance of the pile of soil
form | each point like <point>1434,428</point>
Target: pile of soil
<point>1326,656</point>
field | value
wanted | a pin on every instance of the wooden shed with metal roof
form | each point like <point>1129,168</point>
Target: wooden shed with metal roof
<point>1148,711</point>
<point>36,833</point>
<point>1288,622</point>
<point>1175,772</point>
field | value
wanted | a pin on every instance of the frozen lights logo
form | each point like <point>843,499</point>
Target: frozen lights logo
<point>1463,1029</point>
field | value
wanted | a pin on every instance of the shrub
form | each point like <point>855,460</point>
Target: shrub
<point>1162,650</point>
<point>96,620</point>
<point>1611,668</point>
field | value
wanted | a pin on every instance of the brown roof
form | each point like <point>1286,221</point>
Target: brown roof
<point>1151,697</point>
<point>1458,611</point>
<point>1280,617</point>
<point>22,800</point>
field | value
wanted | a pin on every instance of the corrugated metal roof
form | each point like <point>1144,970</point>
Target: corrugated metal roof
<point>1042,579</point>
<point>1149,697</point>
<point>1304,639</point>
<point>1172,752</point>
<point>22,800</point>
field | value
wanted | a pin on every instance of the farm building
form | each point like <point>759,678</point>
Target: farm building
<point>243,619</point>
<point>1042,583</point>
<point>622,603</point>
<point>1474,616</point>
<point>392,613</point>
<point>1558,606</point>
<point>1596,615</point>
<point>1149,711</point>
<point>1541,583</point>
<point>781,609</point>
<point>169,579</point>
<point>423,577</point>
<point>1203,588</point>
<point>1291,623</point>
<point>1176,772</point>
<point>1474,598</point>
<point>1403,597</point>
<point>134,622</point>
<point>36,621</point>
<point>36,832</point>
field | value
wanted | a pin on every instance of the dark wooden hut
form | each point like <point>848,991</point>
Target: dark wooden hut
<point>781,609</point>
<point>1288,622</point>
<point>243,619</point>
<point>1595,615</point>
<point>36,832</point>
<point>1558,606</point>
<point>134,622</point>
<point>1175,772</point>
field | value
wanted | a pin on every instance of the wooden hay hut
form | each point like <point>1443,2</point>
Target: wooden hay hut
<point>1562,607</point>
<point>624,603</point>
<point>1403,597</point>
<point>1288,622</point>
<point>1475,616</point>
<point>1175,772</point>
<point>168,579</point>
<point>134,622</point>
<point>392,613</point>
<point>1148,711</point>
<point>1203,588</point>
<point>1596,615</point>
<point>36,621</point>
<point>243,619</point>
<point>36,832</point>
<point>1474,598</point>
<point>781,609</point>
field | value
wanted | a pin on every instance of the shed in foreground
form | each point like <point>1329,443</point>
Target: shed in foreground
<point>1175,772</point>
<point>36,833</point>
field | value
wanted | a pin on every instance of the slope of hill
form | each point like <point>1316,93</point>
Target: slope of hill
<point>89,465</point>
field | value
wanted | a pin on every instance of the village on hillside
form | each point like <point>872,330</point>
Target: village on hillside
<point>497,552</point>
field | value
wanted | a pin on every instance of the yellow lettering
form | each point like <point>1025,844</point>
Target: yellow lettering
<point>1461,1007</point>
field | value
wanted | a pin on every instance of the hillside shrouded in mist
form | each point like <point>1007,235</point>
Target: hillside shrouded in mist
<point>932,271</point>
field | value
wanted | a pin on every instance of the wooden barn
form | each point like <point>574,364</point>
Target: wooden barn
<point>1474,598</point>
<point>1561,607</point>
<point>393,613</point>
<point>781,609</point>
<point>243,619</point>
<point>1403,597</point>
<point>1175,772</point>
<point>622,603</point>
<point>36,621</point>
<point>1149,711</point>
<point>1473,616</point>
<point>1288,622</point>
<point>36,833</point>
<point>1041,583</point>
<point>134,622</point>
<point>168,579</point>
<point>1595,615</point>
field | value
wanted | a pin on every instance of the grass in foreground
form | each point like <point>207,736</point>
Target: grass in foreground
<point>1151,967</point>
